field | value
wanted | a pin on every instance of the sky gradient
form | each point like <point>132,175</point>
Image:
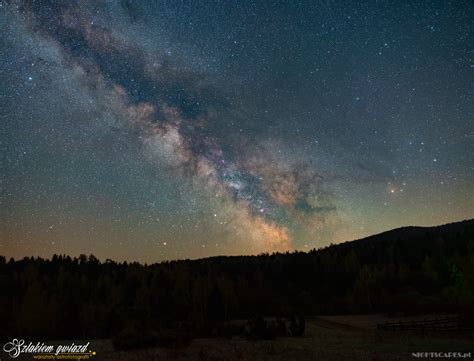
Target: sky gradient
<point>180,129</point>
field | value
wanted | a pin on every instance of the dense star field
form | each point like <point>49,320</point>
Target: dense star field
<point>181,129</point>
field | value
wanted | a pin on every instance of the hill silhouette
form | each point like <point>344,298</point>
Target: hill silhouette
<point>410,270</point>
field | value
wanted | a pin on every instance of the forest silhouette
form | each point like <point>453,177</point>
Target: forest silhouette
<point>409,270</point>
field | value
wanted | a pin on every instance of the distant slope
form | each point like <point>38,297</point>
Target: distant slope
<point>409,243</point>
<point>415,232</point>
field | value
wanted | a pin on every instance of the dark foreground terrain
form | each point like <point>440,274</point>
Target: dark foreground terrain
<point>407,271</point>
<point>323,340</point>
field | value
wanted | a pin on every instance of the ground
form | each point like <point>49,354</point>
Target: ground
<point>327,338</point>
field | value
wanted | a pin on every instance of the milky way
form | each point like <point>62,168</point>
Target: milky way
<point>163,130</point>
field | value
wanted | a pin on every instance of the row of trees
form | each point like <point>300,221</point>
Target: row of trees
<point>411,270</point>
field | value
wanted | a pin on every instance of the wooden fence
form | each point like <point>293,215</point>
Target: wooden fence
<point>446,324</point>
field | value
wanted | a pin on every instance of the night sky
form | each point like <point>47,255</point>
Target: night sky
<point>182,129</point>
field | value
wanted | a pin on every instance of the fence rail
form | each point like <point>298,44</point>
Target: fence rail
<point>434,325</point>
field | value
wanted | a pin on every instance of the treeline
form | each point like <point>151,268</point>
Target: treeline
<point>407,270</point>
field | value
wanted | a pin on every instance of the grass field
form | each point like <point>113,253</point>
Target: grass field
<point>326,338</point>
<point>340,338</point>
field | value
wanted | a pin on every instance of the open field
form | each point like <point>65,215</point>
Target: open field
<point>323,340</point>
<point>326,338</point>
